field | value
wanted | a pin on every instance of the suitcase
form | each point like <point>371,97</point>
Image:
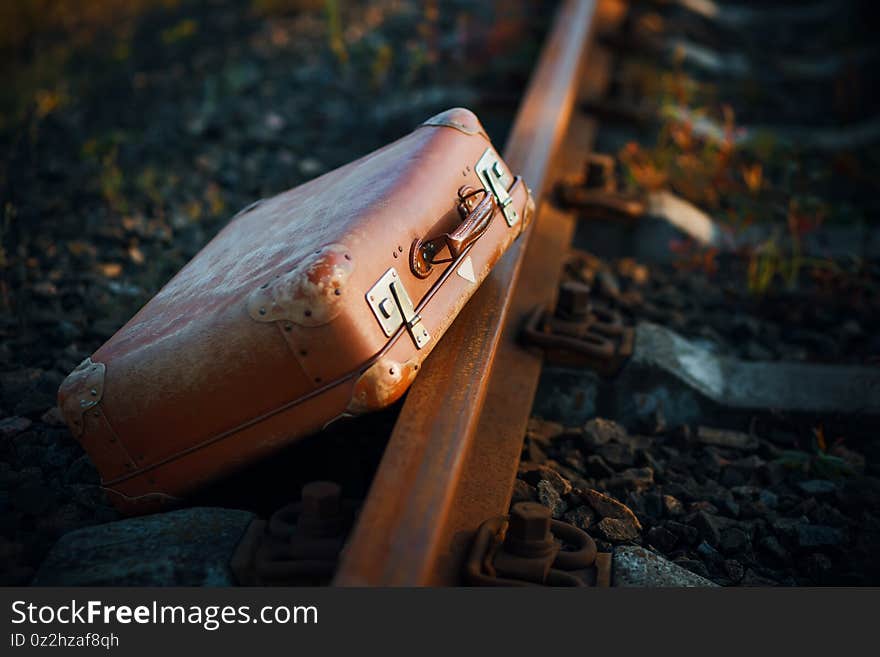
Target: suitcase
<point>315,304</point>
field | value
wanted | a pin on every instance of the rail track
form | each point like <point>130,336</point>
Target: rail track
<point>452,457</point>
<point>451,464</point>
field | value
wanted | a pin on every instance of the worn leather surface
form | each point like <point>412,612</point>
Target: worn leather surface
<point>266,334</point>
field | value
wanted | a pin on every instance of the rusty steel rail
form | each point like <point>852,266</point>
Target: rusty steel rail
<point>452,457</point>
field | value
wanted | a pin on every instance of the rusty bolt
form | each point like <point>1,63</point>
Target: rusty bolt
<point>529,521</point>
<point>599,172</point>
<point>321,512</point>
<point>596,175</point>
<point>574,300</point>
<point>528,531</point>
<point>321,499</point>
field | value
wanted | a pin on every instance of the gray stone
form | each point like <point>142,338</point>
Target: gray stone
<point>535,474</point>
<point>12,426</point>
<point>734,541</point>
<point>814,536</point>
<point>581,517</point>
<point>734,570</point>
<point>732,478</point>
<point>709,553</point>
<point>825,514</point>
<point>727,503</point>
<point>608,507</point>
<point>662,538</point>
<point>549,497</point>
<point>712,461</point>
<point>523,492</point>
<point>637,479</point>
<point>817,487</point>
<point>768,498</point>
<point>600,431</point>
<point>655,464</point>
<point>572,476</point>
<point>634,566</point>
<point>684,532</point>
<point>82,471</point>
<point>190,547</point>
<point>542,431</point>
<point>708,526</point>
<point>617,531</point>
<point>90,496</point>
<point>607,283</point>
<point>636,442</point>
<point>756,351</point>
<point>702,505</point>
<point>693,565</point>
<point>745,491</point>
<point>773,473</point>
<point>617,455</point>
<point>672,506</point>
<point>772,546</point>
<point>724,438</point>
<point>787,527</point>
<point>595,466</point>
<point>567,394</point>
<point>749,465</point>
<point>653,503</point>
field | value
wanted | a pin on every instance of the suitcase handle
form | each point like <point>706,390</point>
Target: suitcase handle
<point>475,221</point>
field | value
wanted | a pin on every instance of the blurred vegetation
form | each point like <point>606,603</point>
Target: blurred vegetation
<point>761,181</point>
<point>130,130</point>
<point>40,38</point>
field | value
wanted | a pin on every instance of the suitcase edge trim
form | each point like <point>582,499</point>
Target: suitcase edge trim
<point>80,391</point>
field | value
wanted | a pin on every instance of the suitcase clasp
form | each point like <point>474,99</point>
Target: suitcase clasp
<point>392,306</point>
<point>497,180</point>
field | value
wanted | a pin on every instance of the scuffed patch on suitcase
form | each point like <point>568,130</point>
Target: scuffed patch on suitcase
<point>529,210</point>
<point>81,390</point>
<point>459,118</point>
<point>382,384</point>
<point>309,294</point>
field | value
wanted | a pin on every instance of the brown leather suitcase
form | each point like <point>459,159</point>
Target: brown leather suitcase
<point>315,304</point>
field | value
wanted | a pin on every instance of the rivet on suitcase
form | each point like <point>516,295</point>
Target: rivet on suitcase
<point>318,303</point>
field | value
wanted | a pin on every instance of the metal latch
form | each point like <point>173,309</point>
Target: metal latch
<point>392,306</point>
<point>497,180</point>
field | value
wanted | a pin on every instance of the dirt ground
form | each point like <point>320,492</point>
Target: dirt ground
<point>131,132</point>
